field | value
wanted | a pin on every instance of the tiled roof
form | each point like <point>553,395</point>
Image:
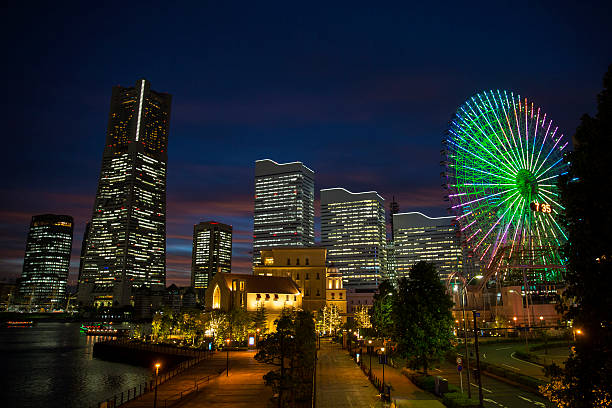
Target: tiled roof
<point>262,284</point>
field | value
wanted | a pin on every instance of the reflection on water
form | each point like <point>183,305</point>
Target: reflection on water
<point>51,365</point>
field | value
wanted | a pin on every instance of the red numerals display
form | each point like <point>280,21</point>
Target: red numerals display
<point>541,207</point>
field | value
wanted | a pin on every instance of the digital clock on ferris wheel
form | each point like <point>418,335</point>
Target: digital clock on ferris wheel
<point>541,207</point>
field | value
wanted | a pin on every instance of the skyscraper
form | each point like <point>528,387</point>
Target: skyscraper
<point>391,264</point>
<point>354,232</point>
<point>212,253</point>
<point>83,249</point>
<point>126,245</point>
<point>47,261</point>
<point>393,209</point>
<point>422,238</point>
<point>284,206</point>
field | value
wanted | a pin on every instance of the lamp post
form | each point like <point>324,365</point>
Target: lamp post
<point>157,365</point>
<point>383,364</point>
<point>477,358</point>
<point>257,337</point>
<point>544,334</point>
<point>227,341</point>
<point>370,353</point>
<point>467,354</point>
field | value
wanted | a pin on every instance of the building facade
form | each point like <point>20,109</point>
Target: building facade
<point>211,253</point>
<point>284,206</point>
<point>228,291</point>
<point>319,283</point>
<point>353,230</point>
<point>126,245</point>
<point>422,238</point>
<point>47,262</point>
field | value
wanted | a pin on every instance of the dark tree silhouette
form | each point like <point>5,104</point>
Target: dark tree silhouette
<point>586,380</point>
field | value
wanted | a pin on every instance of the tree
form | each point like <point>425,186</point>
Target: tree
<point>586,380</point>
<point>381,311</point>
<point>259,320</point>
<point>291,348</point>
<point>422,318</point>
<point>362,317</point>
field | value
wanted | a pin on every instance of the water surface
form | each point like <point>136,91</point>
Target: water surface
<point>51,365</point>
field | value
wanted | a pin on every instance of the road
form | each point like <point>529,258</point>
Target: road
<point>496,394</point>
<point>504,355</point>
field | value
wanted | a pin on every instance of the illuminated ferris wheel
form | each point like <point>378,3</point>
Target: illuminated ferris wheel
<point>503,159</point>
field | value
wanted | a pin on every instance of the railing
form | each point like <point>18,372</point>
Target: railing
<point>179,396</point>
<point>383,388</point>
<point>148,386</point>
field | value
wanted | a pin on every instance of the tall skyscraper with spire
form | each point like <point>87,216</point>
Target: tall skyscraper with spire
<point>284,206</point>
<point>126,245</point>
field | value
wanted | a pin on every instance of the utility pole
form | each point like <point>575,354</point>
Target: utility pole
<point>477,357</point>
<point>467,353</point>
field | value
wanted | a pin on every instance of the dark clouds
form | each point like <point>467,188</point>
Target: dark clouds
<point>362,95</point>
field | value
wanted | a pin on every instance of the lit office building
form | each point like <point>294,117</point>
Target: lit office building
<point>47,262</point>
<point>284,206</point>
<point>422,238</point>
<point>353,231</point>
<point>126,245</point>
<point>212,253</point>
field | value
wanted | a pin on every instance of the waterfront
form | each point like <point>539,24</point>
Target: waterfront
<point>51,365</point>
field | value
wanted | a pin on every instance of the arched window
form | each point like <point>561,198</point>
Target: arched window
<point>216,303</point>
<point>307,262</point>
<point>297,261</point>
<point>288,261</point>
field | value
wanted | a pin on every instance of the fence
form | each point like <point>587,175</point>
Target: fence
<point>384,389</point>
<point>179,396</point>
<point>137,391</point>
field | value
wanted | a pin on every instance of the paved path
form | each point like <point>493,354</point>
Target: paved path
<point>402,389</point>
<point>244,387</point>
<point>340,382</point>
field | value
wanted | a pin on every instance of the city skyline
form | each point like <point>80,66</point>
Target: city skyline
<point>368,118</point>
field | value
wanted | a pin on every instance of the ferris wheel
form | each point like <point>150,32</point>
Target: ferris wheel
<point>503,160</point>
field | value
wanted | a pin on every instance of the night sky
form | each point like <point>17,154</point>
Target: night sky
<point>362,95</point>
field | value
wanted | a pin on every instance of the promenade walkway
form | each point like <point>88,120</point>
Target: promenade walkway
<point>340,382</point>
<point>402,389</point>
<point>244,387</point>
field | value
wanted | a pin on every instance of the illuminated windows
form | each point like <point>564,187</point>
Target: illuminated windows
<point>284,206</point>
<point>127,237</point>
<point>212,252</point>
<point>354,232</point>
<point>47,261</point>
<point>422,238</point>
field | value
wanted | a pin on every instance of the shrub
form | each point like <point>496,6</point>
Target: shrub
<point>458,400</point>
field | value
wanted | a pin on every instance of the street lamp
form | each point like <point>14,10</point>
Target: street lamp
<point>370,353</point>
<point>463,299</point>
<point>544,334</point>
<point>383,364</point>
<point>577,332</point>
<point>227,341</point>
<point>157,365</point>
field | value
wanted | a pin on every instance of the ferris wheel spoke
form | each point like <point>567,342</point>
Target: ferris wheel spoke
<point>516,146</point>
<point>501,126</point>
<point>479,158</point>
<point>493,130</point>
<point>550,152</point>
<point>548,198</point>
<point>518,130</point>
<point>509,168</point>
<point>503,153</point>
<point>549,168</point>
